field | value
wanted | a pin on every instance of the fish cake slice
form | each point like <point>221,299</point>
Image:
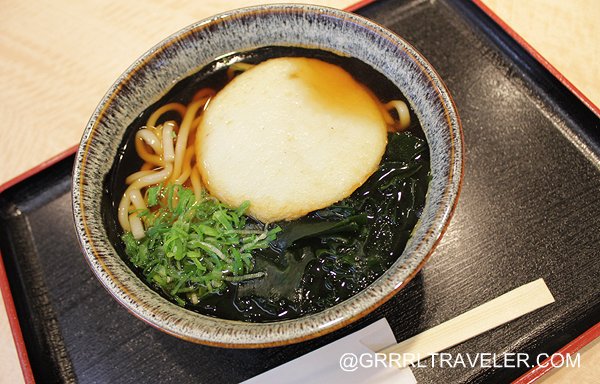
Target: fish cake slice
<point>291,135</point>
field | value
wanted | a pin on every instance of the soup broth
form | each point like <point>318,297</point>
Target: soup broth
<point>327,256</point>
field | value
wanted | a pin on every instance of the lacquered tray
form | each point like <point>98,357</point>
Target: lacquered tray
<point>529,208</point>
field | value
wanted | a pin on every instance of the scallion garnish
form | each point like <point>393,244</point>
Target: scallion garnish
<point>191,248</point>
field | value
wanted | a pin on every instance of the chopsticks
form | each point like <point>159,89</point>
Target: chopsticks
<point>476,321</point>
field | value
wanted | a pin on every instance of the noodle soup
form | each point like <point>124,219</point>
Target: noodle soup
<point>219,260</point>
<point>319,265</point>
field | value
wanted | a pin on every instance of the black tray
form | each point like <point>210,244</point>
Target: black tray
<point>529,208</point>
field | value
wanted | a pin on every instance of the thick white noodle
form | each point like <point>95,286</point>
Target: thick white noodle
<point>182,136</point>
<point>137,228</point>
<point>123,212</point>
<point>150,138</point>
<point>196,184</point>
<point>135,176</point>
<point>167,136</point>
<point>155,178</point>
<point>403,112</point>
<point>136,198</point>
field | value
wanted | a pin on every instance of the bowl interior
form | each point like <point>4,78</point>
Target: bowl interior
<point>184,53</point>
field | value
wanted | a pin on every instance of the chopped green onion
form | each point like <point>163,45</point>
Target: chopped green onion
<point>153,193</point>
<point>193,248</point>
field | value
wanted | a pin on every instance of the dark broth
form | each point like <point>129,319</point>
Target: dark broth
<point>316,272</point>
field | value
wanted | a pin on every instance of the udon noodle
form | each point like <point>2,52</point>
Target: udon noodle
<point>167,150</point>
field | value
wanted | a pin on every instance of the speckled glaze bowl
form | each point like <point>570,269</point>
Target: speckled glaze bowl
<point>182,54</point>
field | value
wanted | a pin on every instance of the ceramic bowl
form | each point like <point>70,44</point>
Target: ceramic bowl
<point>184,53</point>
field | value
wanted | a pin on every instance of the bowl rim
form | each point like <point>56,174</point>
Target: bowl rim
<point>142,311</point>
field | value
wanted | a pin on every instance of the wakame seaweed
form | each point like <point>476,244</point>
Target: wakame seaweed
<point>349,244</point>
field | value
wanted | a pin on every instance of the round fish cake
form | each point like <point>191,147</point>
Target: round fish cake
<point>291,135</point>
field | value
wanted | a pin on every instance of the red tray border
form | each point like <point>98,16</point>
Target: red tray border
<point>571,348</point>
<point>9,304</point>
<point>529,377</point>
